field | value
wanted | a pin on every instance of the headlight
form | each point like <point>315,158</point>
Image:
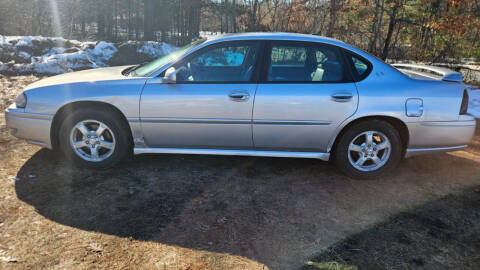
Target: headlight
<point>21,101</point>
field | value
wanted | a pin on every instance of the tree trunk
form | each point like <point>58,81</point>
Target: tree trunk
<point>84,27</point>
<point>227,18</point>
<point>333,18</point>
<point>129,20</point>
<point>115,20</point>
<point>234,15</point>
<point>378,32</point>
<point>148,20</point>
<point>109,22</point>
<point>100,20</point>
<point>137,19</point>
<point>253,17</point>
<point>391,27</point>
<point>220,10</point>
<point>373,43</point>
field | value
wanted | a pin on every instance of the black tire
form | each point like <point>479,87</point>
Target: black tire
<point>340,153</point>
<point>117,125</point>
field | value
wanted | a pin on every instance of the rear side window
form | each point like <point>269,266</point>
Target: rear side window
<point>360,67</point>
<point>288,56</point>
<point>305,62</point>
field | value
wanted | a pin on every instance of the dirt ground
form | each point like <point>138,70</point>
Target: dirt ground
<point>443,234</point>
<point>205,212</point>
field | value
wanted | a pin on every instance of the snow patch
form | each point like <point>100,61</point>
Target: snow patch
<point>3,41</point>
<point>24,55</point>
<point>101,53</point>
<point>55,55</point>
<point>210,34</point>
<point>24,42</point>
<point>156,49</point>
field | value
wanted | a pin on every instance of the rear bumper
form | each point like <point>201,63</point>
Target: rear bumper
<point>439,136</point>
<point>35,128</point>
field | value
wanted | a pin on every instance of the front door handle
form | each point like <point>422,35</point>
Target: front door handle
<point>239,95</point>
<point>342,96</point>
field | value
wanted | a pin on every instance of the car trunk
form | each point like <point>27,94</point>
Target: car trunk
<point>429,72</point>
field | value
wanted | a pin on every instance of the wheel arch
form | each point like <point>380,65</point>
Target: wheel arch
<point>76,105</point>
<point>398,124</point>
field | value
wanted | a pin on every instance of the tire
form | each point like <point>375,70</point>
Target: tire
<point>371,160</point>
<point>111,146</point>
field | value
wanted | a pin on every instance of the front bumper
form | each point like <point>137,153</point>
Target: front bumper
<point>439,136</point>
<point>35,128</point>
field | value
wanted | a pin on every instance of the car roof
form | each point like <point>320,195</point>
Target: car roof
<point>275,36</point>
<point>213,39</point>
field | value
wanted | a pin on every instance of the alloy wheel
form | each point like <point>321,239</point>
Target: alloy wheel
<point>92,140</point>
<point>369,151</point>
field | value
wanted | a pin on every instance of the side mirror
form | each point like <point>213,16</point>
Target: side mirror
<point>170,76</point>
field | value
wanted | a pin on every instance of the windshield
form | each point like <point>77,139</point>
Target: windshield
<point>149,68</point>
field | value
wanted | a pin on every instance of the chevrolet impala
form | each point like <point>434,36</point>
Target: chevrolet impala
<point>254,94</point>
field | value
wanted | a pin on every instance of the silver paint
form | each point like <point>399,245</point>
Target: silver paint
<point>414,107</point>
<point>445,74</point>
<point>288,120</point>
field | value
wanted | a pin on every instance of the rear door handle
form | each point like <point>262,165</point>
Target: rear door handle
<point>342,96</point>
<point>239,95</point>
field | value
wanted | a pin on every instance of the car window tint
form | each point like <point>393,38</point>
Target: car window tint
<point>360,66</point>
<point>288,56</point>
<point>229,62</point>
<point>305,62</point>
<point>223,57</point>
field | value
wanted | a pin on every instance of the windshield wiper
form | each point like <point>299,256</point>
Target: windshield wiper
<point>128,71</point>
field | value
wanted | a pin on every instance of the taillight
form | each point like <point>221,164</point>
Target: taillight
<point>464,107</point>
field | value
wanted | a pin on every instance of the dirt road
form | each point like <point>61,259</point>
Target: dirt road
<point>200,212</point>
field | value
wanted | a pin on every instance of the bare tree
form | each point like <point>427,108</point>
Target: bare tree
<point>333,17</point>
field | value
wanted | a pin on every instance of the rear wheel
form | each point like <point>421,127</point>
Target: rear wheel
<point>94,138</point>
<point>368,149</point>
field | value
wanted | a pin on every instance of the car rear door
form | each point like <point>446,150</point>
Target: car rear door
<point>305,94</point>
<point>210,105</point>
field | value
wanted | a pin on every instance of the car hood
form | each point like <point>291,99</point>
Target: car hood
<point>91,75</point>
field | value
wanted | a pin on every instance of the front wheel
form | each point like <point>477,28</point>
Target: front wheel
<point>94,138</point>
<point>368,149</point>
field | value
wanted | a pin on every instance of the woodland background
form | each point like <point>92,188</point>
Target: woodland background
<point>418,30</point>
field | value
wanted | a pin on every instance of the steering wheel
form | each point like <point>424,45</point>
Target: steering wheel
<point>182,73</point>
<point>194,68</point>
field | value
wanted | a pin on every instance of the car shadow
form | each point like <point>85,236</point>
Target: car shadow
<point>272,210</point>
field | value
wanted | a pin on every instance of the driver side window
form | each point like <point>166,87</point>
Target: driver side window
<point>224,62</point>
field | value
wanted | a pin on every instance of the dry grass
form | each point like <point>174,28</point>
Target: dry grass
<point>10,87</point>
<point>199,212</point>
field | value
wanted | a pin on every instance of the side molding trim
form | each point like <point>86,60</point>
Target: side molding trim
<point>226,121</point>
<point>420,151</point>
<point>233,152</point>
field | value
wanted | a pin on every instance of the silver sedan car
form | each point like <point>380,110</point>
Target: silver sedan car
<point>255,94</point>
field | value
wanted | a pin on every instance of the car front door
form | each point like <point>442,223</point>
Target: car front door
<point>306,93</point>
<point>210,105</point>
